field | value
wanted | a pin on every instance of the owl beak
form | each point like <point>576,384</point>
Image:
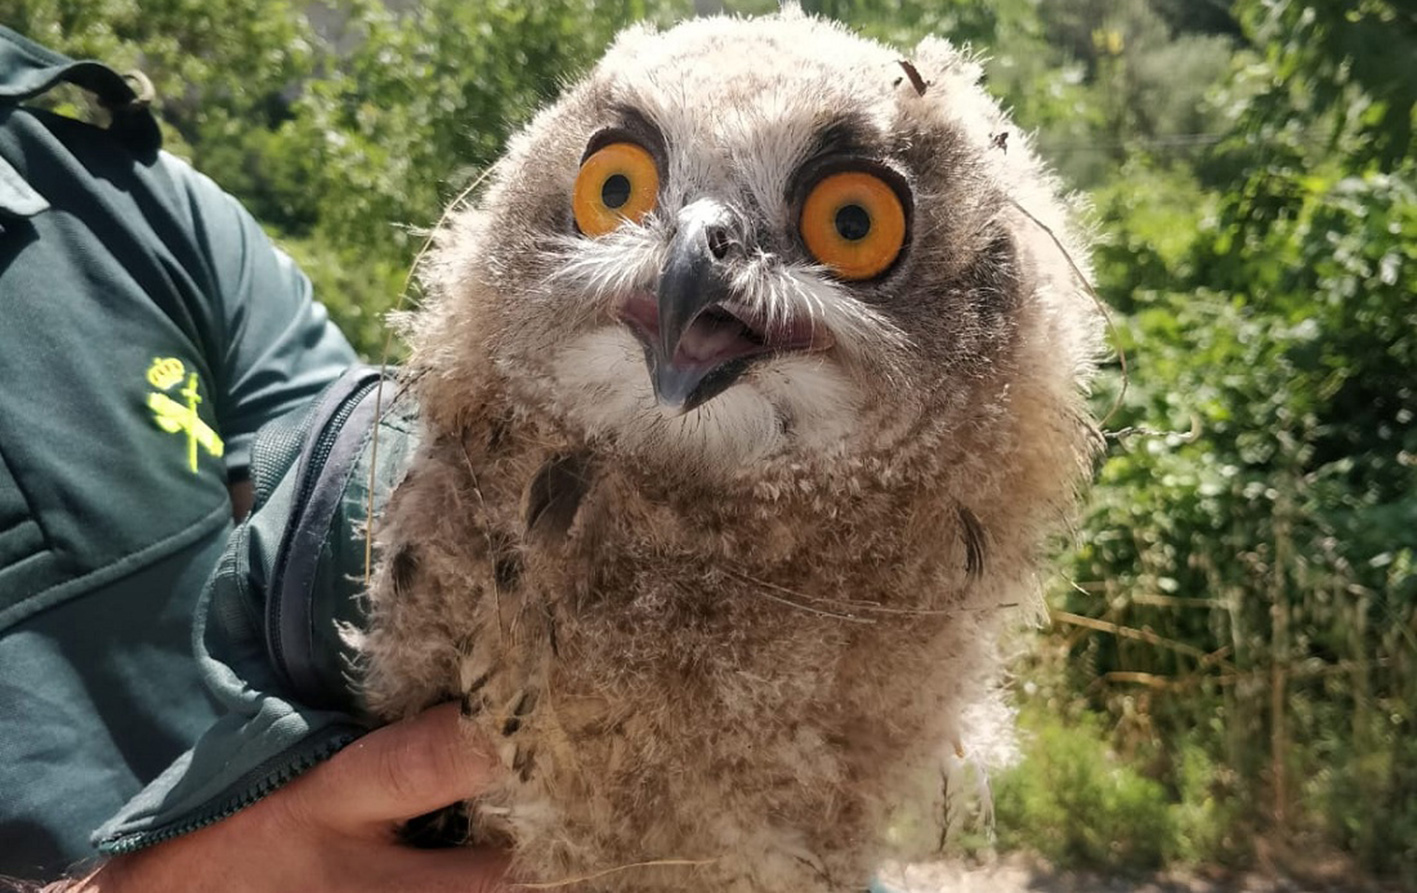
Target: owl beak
<point>699,335</point>
<point>693,279</point>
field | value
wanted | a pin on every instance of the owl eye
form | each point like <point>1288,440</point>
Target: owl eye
<point>616,183</point>
<point>854,223</point>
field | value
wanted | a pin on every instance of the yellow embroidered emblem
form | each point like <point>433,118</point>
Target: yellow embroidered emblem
<point>173,417</point>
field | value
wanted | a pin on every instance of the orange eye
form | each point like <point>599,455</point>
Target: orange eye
<point>619,182</point>
<point>854,223</point>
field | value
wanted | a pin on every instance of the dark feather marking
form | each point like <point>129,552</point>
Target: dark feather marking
<point>975,540</point>
<point>523,762</point>
<point>847,135</point>
<point>916,81</point>
<point>470,706</point>
<point>471,700</point>
<point>526,702</point>
<point>402,568</point>
<point>507,570</point>
<point>995,277</point>
<point>785,420</point>
<point>498,435</point>
<point>555,495</point>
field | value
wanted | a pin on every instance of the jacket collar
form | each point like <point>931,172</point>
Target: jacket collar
<point>28,70</point>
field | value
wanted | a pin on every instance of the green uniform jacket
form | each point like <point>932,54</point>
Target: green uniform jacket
<point>147,329</point>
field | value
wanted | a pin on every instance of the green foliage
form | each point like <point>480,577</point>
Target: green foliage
<point>1266,547</point>
<point>1078,800</point>
<point>357,288</point>
<point>1254,188</point>
<point>1075,802</point>
<point>1348,61</point>
<point>219,69</point>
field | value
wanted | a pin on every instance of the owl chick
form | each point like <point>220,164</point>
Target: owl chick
<point>751,396</point>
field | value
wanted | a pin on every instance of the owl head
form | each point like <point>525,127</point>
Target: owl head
<point>750,241</point>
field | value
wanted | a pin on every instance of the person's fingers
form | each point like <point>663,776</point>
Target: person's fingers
<point>460,871</point>
<point>397,772</point>
<point>332,829</point>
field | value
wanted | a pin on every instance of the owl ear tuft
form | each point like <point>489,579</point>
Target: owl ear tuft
<point>937,59</point>
<point>628,42</point>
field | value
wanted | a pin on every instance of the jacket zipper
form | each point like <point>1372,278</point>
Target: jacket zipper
<point>254,786</point>
<point>310,475</point>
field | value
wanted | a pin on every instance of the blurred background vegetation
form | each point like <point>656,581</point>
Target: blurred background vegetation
<point>1231,674</point>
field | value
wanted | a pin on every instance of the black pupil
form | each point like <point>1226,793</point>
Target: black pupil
<point>853,223</point>
<point>616,191</point>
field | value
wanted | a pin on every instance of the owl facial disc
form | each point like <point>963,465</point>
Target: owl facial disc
<point>698,337</point>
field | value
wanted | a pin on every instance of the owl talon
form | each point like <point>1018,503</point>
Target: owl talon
<point>526,702</point>
<point>470,705</point>
<point>523,762</point>
<point>523,704</point>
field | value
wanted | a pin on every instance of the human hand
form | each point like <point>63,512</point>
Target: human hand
<point>334,828</point>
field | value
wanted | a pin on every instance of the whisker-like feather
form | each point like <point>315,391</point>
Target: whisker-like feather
<point>850,604</point>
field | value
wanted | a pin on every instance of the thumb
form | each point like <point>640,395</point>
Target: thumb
<point>400,771</point>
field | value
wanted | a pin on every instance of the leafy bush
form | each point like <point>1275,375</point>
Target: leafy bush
<point>1076,802</point>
